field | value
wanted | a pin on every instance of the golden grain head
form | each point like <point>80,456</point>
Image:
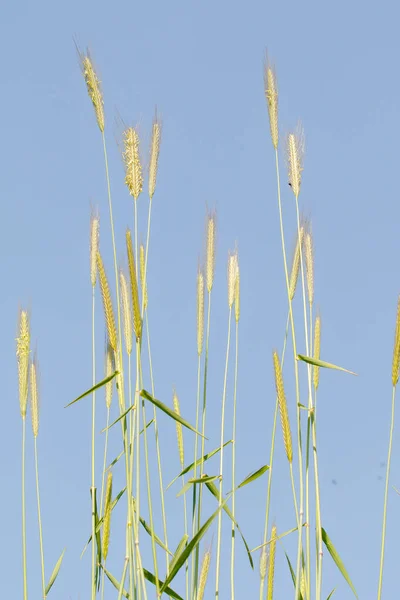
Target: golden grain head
<point>107,303</point>
<point>34,386</point>
<point>143,276</point>
<point>107,516</point>
<point>94,246</point>
<point>23,352</point>
<point>294,274</point>
<point>210,248</point>
<point>133,165</point>
<point>237,290</point>
<point>283,410</point>
<point>93,88</point>
<point>317,348</point>
<point>205,567</point>
<point>200,311</point>
<point>137,320</point>
<point>303,584</point>
<point>271,564</point>
<point>154,153</point>
<point>263,563</point>
<point>309,255</point>
<point>126,312</point>
<point>179,433</point>
<point>232,273</point>
<point>396,349</point>
<point>295,156</point>
<point>109,370</point>
<point>271,95</point>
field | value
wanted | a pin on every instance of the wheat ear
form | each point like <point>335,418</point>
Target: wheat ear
<point>93,88</point>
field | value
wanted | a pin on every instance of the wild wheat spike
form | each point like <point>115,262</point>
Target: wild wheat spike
<point>142,265</point>
<point>137,321</point>
<point>126,312</point>
<point>271,565</point>
<point>109,370</point>
<point>263,563</point>
<point>237,290</point>
<point>93,88</point>
<point>133,166</point>
<point>317,347</point>
<point>94,246</point>
<point>295,155</point>
<point>396,349</point>
<point>107,516</point>
<point>205,567</point>
<point>232,272</point>
<point>271,95</point>
<point>200,311</point>
<point>294,274</point>
<point>23,351</point>
<point>34,397</point>
<point>283,411</point>
<point>309,254</point>
<point>179,433</point>
<point>210,243</point>
<point>154,153</point>
<point>107,303</point>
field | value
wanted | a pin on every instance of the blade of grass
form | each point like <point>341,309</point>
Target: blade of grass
<point>94,388</point>
<point>253,476</point>
<point>54,574</point>
<point>171,413</point>
<point>337,560</point>
<point>322,363</point>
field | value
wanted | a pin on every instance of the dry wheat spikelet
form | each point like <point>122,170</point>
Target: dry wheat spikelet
<point>309,255</point>
<point>271,564</point>
<point>263,563</point>
<point>109,370</point>
<point>142,265</point>
<point>34,385</point>
<point>94,246</point>
<point>93,88</point>
<point>295,156</point>
<point>137,321</point>
<point>107,303</point>
<point>210,249</point>
<point>271,95</point>
<point>396,349</point>
<point>200,311</point>
<point>154,154</point>
<point>107,516</point>
<point>283,410</point>
<point>23,352</point>
<point>232,273</point>
<point>179,433</point>
<point>237,290</point>
<point>317,349</point>
<point>294,274</point>
<point>133,165</point>
<point>126,312</point>
<point>303,584</point>
<point>205,567</point>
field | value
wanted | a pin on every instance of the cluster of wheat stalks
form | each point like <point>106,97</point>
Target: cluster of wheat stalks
<point>126,328</point>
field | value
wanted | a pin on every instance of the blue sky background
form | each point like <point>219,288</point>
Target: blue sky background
<point>202,65</point>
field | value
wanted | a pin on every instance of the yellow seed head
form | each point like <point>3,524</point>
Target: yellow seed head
<point>303,584</point>
<point>210,243</point>
<point>107,303</point>
<point>271,95</point>
<point>309,254</point>
<point>34,397</point>
<point>295,155</point>
<point>205,567</point>
<point>23,351</point>
<point>94,246</point>
<point>154,153</point>
<point>179,433</point>
<point>109,370</point>
<point>283,411</point>
<point>142,264</point>
<point>294,274</point>
<point>126,312</point>
<point>93,88</point>
<point>396,349</point>
<point>317,347</point>
<point>107,516</point>
<point>232,272</point>
<point>133,166</point>
<point>263,563</point>
<point>237,290</point>
<point>200,311</point>
<point>271,565</point>
<point>137,320</point>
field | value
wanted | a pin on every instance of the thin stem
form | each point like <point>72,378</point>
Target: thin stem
<point>195,487</point>
<point>93,450</point>
<point>24,570</point>
<point>386,495</point>
<point>121,585</point>
<point>185,524</point>
<point>39,519</point>
<point>234,464</point>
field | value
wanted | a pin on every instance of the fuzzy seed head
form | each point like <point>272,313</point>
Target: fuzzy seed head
<point>232,273</point>
<point>263,563</point>
<point>205,567</point>
<point>200,311</point>
<point>294,274</point>
<point>93,88</point>
<point>271,95</point>
<point>210,243</point>
<point>137,320</point>
<point>283,410</point>
<point>133,165</point>
<point>237,290</point>
<point>142,265</point>
<point>396,349</point>
<point>94,246</point>
<point>109,370</point>
<point>34,396</point>
<point>295,156</point>
<point>303,584</point>
<point>107,516</point>
<point>107,303</point>
<point>23,352</point>
<point>179,433</point>
<point>126,312</point>
<point>154,153</point>
<point>271,565</point>
<point>309,254</point>
<point>317,348</point>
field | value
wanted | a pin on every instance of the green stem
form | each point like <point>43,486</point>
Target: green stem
<point>234,464</point>
<point>93,451</point>
<point>24,570</point>
<point>195,487</point>
<point>185,523</point>
<point>39,519</point>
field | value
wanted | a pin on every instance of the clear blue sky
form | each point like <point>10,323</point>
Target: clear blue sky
<point>201,64</point>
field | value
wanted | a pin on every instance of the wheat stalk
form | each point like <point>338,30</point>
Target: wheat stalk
<point>143,283</point>
<point>317,348</point>
<point>107,304</point>
<point>94,246</point>
<point>133,165</point>
<point>271,95</point>
<point>126,312</point>
<point>154,154</point>
<point>93,88</point>
<point>210,249</point>
<point>287,436</point>
<point>200,311</point>
<point>271,563</point>
<point>107,516</point>
<point>295,155</point>
<point>205,567</point>
<point>23,352</point>
<point>309,256</point>
<point>396,348</point>
<point>137,320</point>
<point>294,274</point>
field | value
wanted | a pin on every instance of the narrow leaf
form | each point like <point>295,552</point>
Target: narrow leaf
<point>293,575</point>
<point>171,413</point>
<point>337,560</point>
<point>198,462</point>
<point>331,594</point>
<point>322,363</point>
<point>132,407</point>
<point>170,592</point>
<point>205,479</point>
<point>178,550</point>
<point>54,574</point>
<point>94,388</point>
<point>115,582</point>
<point>100,521</point>
<point>278,537</point>
<point>253,476</point>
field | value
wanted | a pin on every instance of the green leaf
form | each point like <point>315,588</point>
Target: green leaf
<point>336,559</point>
<point>178,550</point>
<point>293,575</point>
<point>331,594</point>
<point>54,574</point>
<point>322,363</point>
<point>94,388</point>
<point>184,555</point>
<point>115,582</point>
<point>253,476</point>
<point>170,592</point>
<point>278,537</point>
<point>190,482</point>
<point>198,462</point>
<point>133,406</point>
<point>100,521</point>
<point>168,411</point>
<point>157,540</point>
